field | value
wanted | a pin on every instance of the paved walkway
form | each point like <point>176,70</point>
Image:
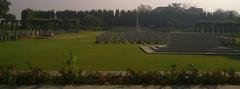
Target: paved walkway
<point>120,87</point>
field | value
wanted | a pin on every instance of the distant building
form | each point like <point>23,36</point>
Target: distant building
<point>162,9</point>
<point>195,10</point>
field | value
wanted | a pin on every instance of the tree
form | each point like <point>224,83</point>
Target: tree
<point>45,14</point>
<point>91,20</point>
<point>116,17</point>
<point>178,6</point>
<point>28,14</point>
<point>67,14</point>
<point>173,15</point>
<point>10,17</point>
<point>4,8</point>
<point>232,14</point>
<point>144,8</point>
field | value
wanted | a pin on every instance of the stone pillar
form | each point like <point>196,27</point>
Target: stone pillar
<point>54,26</point>
<point>221,28</point>
<point>230,28</point>
<point>225,28</point>
<point>6,25</point>
<point>205,28</point>
<point>234,41</point>
<point>11,24</point>
<point>46,27</point>
<point>235,29</point>
<point>75,26</point>
<point>200,28</point>
<point>1,25</point>
<point>209,27</point>
<point>214,28</point>
<point>18,23</point>
<point>195,28</point>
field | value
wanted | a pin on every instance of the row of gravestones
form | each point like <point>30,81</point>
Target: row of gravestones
<point>133,37</point>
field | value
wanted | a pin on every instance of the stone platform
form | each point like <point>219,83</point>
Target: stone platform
<point>191,43</point>
<point>163,49</point>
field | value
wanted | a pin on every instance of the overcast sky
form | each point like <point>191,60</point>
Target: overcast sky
<point>209,5</point>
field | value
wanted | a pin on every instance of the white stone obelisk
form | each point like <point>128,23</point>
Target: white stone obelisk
<point>137,20</point>
<point>137,23</point>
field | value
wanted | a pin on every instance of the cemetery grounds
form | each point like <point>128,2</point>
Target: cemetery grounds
<point>51,54</point>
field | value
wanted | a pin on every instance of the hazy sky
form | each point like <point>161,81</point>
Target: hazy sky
<point>209,5</point>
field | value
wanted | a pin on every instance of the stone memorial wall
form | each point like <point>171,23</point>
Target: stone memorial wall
<point>193,40</point>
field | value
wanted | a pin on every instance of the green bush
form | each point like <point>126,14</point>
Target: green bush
<point>189,75</point>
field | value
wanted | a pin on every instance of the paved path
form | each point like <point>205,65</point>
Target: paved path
<point>120,87</point>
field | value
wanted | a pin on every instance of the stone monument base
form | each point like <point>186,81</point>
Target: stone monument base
<point>163,49</point>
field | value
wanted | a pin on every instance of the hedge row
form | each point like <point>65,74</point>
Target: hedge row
<point>187,76</point>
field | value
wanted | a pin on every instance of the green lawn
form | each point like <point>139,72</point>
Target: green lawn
<point>50,54</point>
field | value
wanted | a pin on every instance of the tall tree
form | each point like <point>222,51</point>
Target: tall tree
<point>27,14</point>
<point>144,8</point>
<point>173,15</point>
<point>4,8</point>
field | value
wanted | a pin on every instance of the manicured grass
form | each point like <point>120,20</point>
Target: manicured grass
<point>50,54</point>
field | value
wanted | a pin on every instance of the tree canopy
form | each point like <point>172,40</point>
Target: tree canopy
<point>173,15</point>
<point>4,8</point>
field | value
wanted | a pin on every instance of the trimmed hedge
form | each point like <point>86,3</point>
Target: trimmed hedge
<point>187,76</point>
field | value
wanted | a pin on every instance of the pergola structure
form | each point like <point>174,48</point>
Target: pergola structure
<point>39,24</point>
<point>7,35</point>
<point>217,27</point>
<point>10,24</point>
<point>226,30</point>
<point>13,29</point>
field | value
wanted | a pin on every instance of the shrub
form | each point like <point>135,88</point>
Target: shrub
<point>189,75</point>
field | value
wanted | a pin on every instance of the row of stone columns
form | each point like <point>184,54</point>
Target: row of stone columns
<point>33,24</point>
<point>10,24</point>
<point>8,36</point>
<point>10,30</point>
<point>218,28</point>
<point>228,41</point>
